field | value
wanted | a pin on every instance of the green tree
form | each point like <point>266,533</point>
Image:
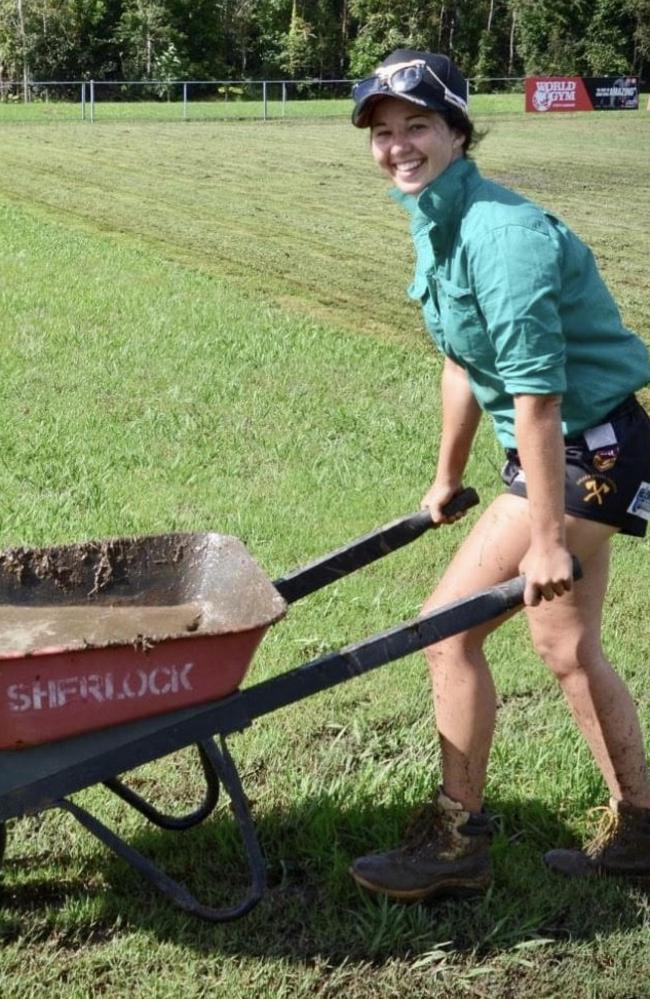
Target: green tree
<point>330,23</point>
<point>640,13</point>
<point>167,67</point>
<point>11,47</point>
<point>513,62</point>
<point>69,38</point>
<point>298,45</point>
<point>143,34</point>
<point>493,58</point>
<point>242,29</point>
<point>383,25</point>
<point>57,39</point>
<point>551,35</point>
<point>455,27</point>
<point>226,39</point>
<point>488,63</point>
<point>609,39</point>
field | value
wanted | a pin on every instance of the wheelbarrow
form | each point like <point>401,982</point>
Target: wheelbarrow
<point>117,653</point>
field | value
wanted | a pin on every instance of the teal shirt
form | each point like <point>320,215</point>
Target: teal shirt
<point>512,295</point>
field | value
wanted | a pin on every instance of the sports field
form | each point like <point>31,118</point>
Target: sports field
<point>203,326</point>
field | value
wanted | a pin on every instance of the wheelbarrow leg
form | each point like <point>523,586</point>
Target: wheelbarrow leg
<point>222,765</point>
<point>136,801</point>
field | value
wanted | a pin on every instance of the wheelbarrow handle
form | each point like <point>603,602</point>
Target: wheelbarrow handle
<point>367,549</point>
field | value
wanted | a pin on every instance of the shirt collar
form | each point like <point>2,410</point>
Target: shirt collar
<point>437,206</point>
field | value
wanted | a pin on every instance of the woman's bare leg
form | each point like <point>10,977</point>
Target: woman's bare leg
<point>463,690</point>
<point>567,634</point>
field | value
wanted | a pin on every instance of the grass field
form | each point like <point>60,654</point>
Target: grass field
<point>203,326</point>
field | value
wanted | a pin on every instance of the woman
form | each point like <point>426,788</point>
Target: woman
<point>532,336</point>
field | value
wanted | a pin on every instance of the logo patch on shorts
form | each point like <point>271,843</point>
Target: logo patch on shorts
<point>605,459</point>
<point>640,505</point>
<point>597,487</point>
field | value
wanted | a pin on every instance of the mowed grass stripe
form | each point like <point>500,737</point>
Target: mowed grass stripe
<point>297,209</point>
<point>254,202</point>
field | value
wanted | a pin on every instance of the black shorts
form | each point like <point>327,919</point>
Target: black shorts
<point>607,471</point>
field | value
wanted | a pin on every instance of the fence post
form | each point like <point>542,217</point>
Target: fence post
<point>184,101</point>
<point>264,99</point>
<point>83,101</point>
<point>92,101</point>
<point>284,98</point>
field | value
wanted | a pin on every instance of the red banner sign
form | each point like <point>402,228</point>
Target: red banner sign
<point>580,93</point>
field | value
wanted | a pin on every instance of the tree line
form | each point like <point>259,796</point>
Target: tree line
<point>325,39</point>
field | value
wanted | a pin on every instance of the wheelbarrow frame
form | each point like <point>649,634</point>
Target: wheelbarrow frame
<point>42,777</point>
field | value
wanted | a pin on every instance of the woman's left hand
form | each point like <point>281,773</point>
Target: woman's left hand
<point>548,571</point>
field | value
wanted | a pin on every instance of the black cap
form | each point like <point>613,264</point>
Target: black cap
<point>449,90</point>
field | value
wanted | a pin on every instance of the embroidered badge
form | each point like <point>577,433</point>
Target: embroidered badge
<point>597,487</point>
<point>640,505</point>
<point>605,458</point>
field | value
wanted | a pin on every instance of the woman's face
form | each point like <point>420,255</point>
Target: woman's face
<point>412,146</point>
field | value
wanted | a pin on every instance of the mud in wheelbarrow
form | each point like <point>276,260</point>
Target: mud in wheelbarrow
<point>102,633</point>
<point>117,653</point>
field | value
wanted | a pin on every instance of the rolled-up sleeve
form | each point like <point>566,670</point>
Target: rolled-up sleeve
<point>515,273</point>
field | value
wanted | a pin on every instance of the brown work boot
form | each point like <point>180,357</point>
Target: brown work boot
<point>620,847</point>
<point>446,852</point>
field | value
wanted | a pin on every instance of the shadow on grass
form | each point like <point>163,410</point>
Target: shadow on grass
<point>312,909</point>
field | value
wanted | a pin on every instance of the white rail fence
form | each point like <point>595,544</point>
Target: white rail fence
<point>90,100</point>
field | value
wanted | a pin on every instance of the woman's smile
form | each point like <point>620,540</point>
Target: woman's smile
<point>408,167</point>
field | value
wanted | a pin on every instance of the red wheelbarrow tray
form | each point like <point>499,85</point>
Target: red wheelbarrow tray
<point>115,653</point>
<point>100,633</point>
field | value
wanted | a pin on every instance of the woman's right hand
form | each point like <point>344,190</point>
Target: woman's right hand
<point>437,497</point>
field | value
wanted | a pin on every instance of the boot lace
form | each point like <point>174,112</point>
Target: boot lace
<point>423,828</point>
<point>608,829</point>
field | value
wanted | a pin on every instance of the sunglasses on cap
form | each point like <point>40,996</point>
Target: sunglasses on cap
<point>404,79</point>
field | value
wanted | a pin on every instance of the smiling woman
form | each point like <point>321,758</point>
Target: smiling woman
<point>531,335</point>
<point>417,111</point>
<point>412,147</point>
